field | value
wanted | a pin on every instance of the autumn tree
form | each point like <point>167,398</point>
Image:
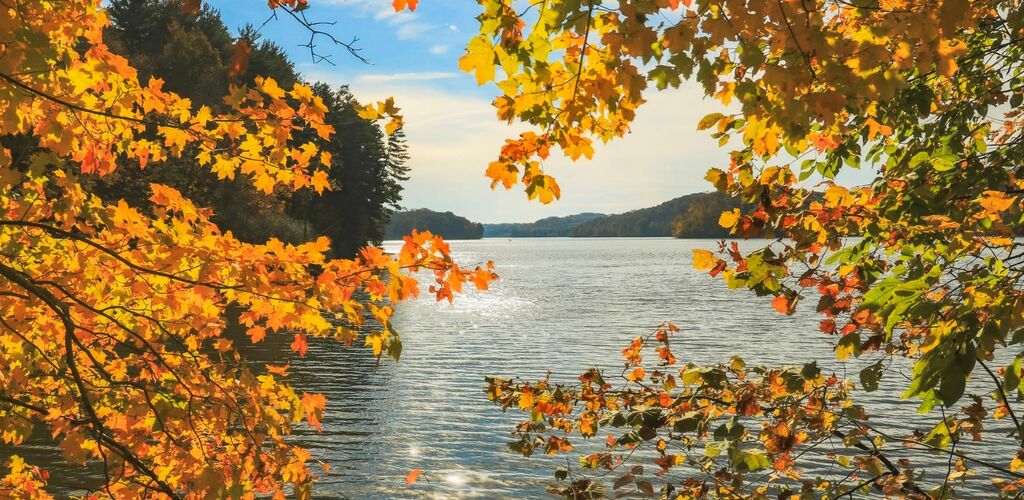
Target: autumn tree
<point>367,170</point>
<point>925,94</point>
<point>112,315</point>
<point>191,53</point>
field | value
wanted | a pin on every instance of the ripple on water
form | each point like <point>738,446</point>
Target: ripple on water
<point>562,305</point>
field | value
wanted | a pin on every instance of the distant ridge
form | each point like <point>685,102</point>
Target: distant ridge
<point>689,216</point>
<point>548,226</point>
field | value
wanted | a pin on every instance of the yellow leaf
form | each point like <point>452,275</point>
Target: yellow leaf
<point>320,181</point>
<point>704,260</point>
<point>479,59</point>
<point>729,219</point>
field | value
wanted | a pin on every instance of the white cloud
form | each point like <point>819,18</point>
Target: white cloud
<point>438,49</point>
<point>452,137</point>
<point>412,29</point>
<point>417,76</point>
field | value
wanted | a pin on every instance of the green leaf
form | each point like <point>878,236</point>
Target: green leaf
<point>952,386</point>
<point>870,375</point>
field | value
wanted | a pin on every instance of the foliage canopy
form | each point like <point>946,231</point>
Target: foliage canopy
<point>112,316</point>
<point>926,93</point>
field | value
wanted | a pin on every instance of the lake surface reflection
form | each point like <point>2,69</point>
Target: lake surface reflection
<point>562,305</point>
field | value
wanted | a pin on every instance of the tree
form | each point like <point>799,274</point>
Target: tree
<point>366,177</point>
<point>191,53</point>
<point>700,219</point>
<point>926,93</point>
<point>112,315</point>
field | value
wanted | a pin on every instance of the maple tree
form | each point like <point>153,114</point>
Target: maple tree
<point>112,316</point>
<point>928,94</point>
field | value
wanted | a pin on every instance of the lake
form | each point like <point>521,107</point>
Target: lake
<point>562,305</point>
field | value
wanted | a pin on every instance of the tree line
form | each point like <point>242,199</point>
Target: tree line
<point>445,224</point>
<point>193,55</point>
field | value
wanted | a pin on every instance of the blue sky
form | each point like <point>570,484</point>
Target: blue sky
<point>451,127</point>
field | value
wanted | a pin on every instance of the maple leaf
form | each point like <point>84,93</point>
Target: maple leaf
<point>729,219</point>
<point>313,405</point>
<point>299,345</point>
<point>319,181</point>
<point>479,59</point>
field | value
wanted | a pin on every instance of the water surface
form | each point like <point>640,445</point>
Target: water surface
<point>562,305</point>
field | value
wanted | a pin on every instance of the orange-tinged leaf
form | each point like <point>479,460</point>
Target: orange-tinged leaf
<point>784,304</point>
<point>239,62</point>
<point>256,334</point>
<point>280,370</point>
<point>401,5</point>
<point>299,345</point>
<point>319,181</point>
<point>704,260</point>
<point>313,405</point>
<point>636,375</point>
<point>996,201</point>
<point>412,476</point>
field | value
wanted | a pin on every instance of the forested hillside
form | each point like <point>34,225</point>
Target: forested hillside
<point>700,218</point>
<point>660,220</point>
<point>548,226</point>
<point>445,224</point>
<point>193,55</point>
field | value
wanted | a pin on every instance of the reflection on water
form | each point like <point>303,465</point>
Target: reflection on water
<point>562,305</point>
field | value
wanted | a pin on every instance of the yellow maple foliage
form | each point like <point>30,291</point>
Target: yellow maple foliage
<point>112,318</point>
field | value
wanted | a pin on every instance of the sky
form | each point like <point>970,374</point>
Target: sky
<point>451,127</point>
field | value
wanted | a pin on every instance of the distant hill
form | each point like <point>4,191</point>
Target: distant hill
<point>695,214</point>
<point>700,218</point>
<point>549,226</point>
<point>446,224</point>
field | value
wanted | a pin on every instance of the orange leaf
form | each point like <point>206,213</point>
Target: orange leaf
<point>299,345</point>
<point>280,370</point>
<point>783,304</point>
<point>314,404</point>
<point>401,5</point>
<point>412,476</point>
<point>996,201</point>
